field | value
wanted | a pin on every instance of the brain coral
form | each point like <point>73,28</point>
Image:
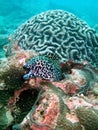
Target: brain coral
<point>60,32</point>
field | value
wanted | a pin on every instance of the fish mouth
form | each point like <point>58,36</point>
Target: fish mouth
<point>28,75</point>
<point>24,67</point>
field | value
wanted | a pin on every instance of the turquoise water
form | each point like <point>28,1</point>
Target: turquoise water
<point>15,12</point>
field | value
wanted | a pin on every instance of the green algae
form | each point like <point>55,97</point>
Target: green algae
<point>12,77</point>
<point>5,118</point>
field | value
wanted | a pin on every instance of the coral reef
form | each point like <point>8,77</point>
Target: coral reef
<point>43,104</point>
<point>11,72</point>
<point>5,117</point>
<point>39,103</point>
<point>44,93</point>
<point>12,77</point>
<point>59,32</point>
<point>3,41</point>
<point>55,110</point>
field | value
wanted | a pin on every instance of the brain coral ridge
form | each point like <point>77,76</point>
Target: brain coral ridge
<point>60,32</point>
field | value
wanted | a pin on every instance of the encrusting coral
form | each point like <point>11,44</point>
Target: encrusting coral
<point>46,93</point>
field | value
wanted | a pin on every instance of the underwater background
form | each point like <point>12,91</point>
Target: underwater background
<point>69,100</point>
<point>14,12</point>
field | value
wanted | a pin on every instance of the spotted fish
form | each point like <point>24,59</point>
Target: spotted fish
<point>43,67</point>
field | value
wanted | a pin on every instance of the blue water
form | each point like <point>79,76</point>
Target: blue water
<point>15,12</point>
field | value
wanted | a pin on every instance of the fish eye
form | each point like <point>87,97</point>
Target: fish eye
<point>27,67</point>
<point>24,67</point>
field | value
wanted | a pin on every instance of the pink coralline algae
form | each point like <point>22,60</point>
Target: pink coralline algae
<point>46,114</point>
<point>68,87</point>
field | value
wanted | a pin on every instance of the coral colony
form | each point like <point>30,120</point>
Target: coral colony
<point>61,33</point>
<point>54,56</point>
